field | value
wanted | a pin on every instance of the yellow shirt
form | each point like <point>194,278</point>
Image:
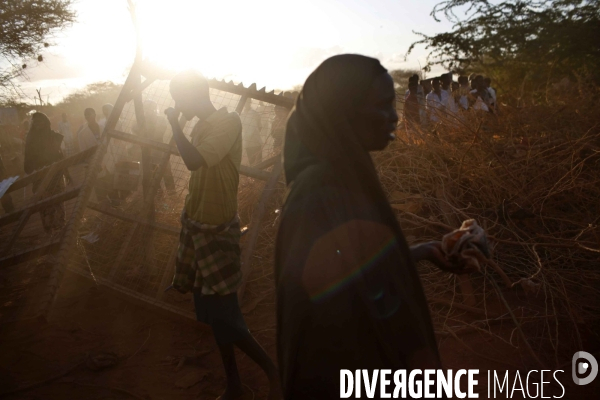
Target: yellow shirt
<point>212,197</point>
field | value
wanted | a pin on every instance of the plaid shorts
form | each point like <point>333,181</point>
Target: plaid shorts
<point>208,259</point>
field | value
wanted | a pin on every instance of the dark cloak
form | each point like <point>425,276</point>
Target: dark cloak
<point>348,293</point>
<point>42,145</point>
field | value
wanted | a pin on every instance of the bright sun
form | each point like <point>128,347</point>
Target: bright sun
<point>240,40</point>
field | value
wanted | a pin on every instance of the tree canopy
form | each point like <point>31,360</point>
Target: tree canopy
<point>93,95</point>
<point>26,26</point>
<point>546,38</point>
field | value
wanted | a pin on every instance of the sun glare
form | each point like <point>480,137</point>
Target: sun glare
<point>252,44</point>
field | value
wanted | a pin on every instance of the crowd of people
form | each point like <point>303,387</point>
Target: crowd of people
<point>443,100</point>
<point>43,146</point>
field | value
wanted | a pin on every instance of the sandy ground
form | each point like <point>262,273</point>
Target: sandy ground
<point>144,348</point>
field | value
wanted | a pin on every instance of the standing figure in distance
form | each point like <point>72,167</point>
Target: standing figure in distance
<point>155,129</point>
<point>426,88</point>
<point>449,103</point>
<point>488,84</point>
<point>251,128</point>
<point>435,102</point>
<point>89,133</point>
<point>106,110</point>
<point>463,92</point>
<point>42,148</point>
<point>6,199</point>
<point>412,118</point>
<point>480,96</point>
<point>64,128</point>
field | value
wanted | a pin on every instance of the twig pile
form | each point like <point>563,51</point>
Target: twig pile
<point>531,178</point>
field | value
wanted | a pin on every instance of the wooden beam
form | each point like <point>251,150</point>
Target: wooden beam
<point>251,172</point>
<point>255,173</point>
<point>58,198</point>
<point>30,254</point>
<point>240,106</point>
<point>168,274</point>
<point>48,297</point>
<point>39,174</point>
<point>28,210</point>
<point>147,211</point>
<point>168,229</point>
<point>141,299</point>
<point>267,163</point>
<point>135,139</point>
<point>143,86</point>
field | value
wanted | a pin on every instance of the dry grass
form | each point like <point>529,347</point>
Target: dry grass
<point>531,178</point>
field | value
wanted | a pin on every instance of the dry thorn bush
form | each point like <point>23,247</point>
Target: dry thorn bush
<point>530,177</point>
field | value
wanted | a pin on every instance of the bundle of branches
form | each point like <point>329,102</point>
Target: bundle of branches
<point>530,177</point>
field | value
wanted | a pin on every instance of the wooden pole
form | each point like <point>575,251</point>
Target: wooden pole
<point>30,254</point>
<point>240,106</point>
<point>252,172</point>
<point>48,297</point>
<point>28,212</point>
<point>57,198</point>
<point>62,164</point>
<point>168,229</point>
<point>147,208</point>
<point>168,274</point>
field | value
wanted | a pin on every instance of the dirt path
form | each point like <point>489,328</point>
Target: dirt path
<point>91,320</point>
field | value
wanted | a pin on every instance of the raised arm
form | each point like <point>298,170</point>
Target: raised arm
<point>192,158</point>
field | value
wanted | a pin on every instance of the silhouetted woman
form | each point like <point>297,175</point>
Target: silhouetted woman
<point>42,148</point>
<point>348,292</point>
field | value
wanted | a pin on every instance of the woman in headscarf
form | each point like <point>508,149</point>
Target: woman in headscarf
<point>348,293</point>
<point>42,148</point>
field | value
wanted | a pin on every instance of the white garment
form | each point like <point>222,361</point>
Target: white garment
<point>102,124</point>
<point>251,127</point>
<point>64,128</point>
<point>450,104</point>
<point>86,137</point>
<point>492,93</point>
<point>436,105</point>
<point>479,103</point>
<point>463,101</point>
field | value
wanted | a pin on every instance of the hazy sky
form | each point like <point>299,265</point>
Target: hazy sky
<point>275,43</point>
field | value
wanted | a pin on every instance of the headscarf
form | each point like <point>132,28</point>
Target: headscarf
<point>42,146</point>
<point>320,130</point>
<point>320,127</point>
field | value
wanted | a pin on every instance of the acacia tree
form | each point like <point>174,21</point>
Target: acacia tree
<point>26,27</point>
<point>543,39</point>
